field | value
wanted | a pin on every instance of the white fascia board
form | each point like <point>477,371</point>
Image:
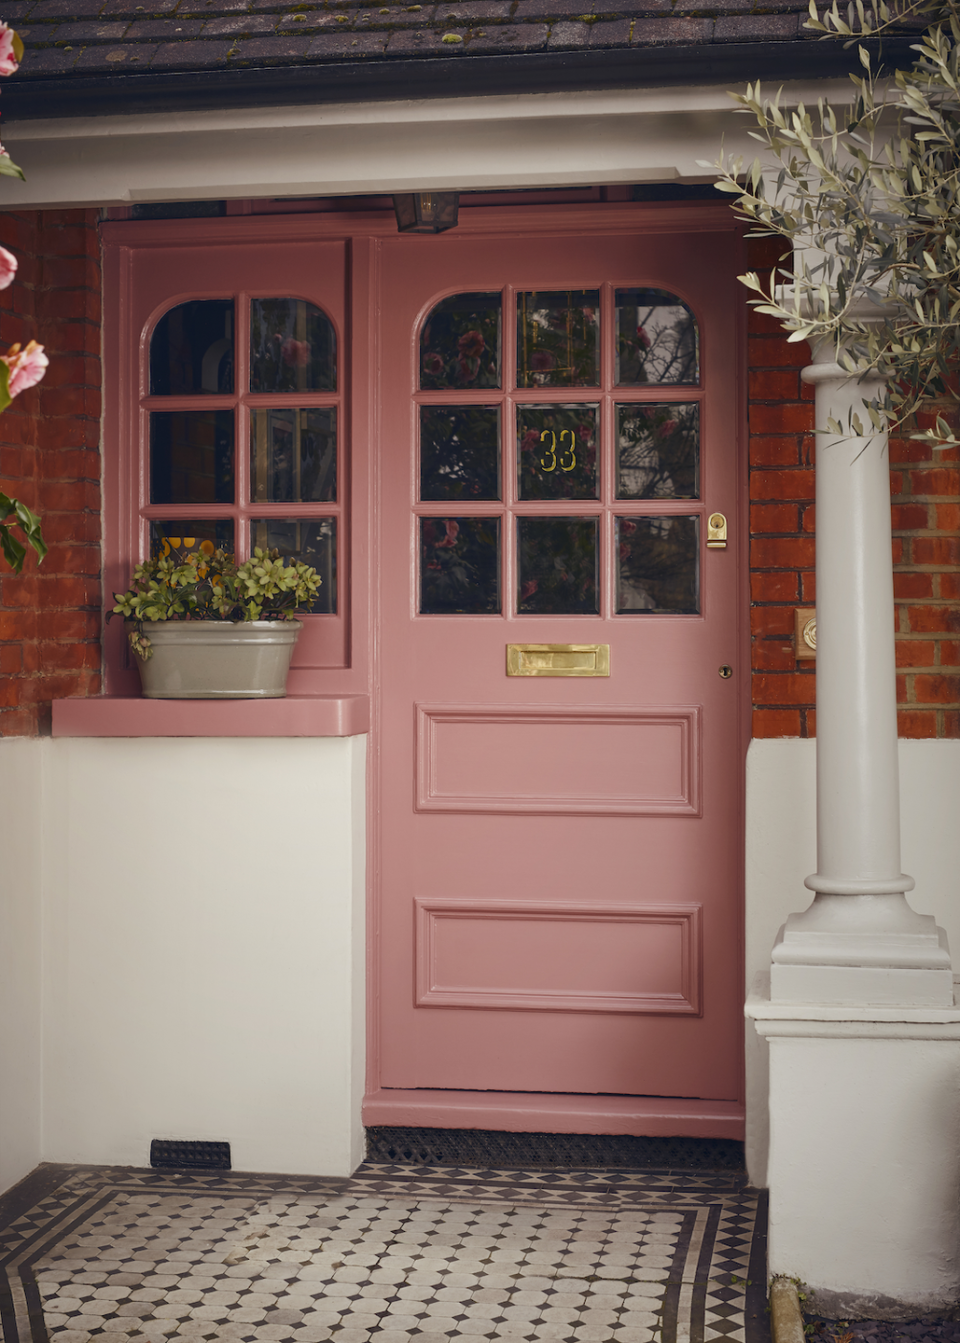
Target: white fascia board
<point>524,140</point>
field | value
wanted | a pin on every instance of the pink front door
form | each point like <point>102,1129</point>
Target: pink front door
<point>559,853</point>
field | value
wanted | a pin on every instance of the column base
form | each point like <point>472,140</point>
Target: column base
<point>862,948</point>
<point>864,1168</point>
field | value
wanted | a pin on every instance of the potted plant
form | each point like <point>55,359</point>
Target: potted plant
<point>204,627</point>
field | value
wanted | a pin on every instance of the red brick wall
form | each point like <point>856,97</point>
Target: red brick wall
<point>49,458</point>
<point>925,488</point>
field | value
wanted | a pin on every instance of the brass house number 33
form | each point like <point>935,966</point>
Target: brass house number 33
<point>567,458</point>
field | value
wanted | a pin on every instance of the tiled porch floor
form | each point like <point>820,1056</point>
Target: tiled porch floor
<point>392,1255</point>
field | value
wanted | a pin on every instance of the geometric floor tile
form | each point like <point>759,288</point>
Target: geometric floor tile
<point>392,1255</point>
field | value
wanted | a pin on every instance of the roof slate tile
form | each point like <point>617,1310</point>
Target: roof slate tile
<point>341,46</point>
<point>190,55</point>
<point>510,37</point>
<point>615,33</point>
<point>48,61</point>
<point>671,32</point>
<point>110,57</point>
<point>757,27</point>
<point>240,25</point>
<point>138,11</point>
<point>569,33</point>
<point>65,9</point>
<point>76,33</point>
<point>157,29</point>
<point>269,50</point>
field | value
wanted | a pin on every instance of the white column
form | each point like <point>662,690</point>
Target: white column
<point>860,941</point>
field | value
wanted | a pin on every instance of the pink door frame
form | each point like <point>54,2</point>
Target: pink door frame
<point>421,1106</point>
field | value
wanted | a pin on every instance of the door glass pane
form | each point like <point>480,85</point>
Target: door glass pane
<point>188,536</point>
<point>557,338</point>
<point>657,339</point>
<point>293,347</point>
<point>293,455</point>
<point>658,451</point>
<point>557,452</point>
<point>658,564</point>
<point>557,571</point>
<point>191,457</point>
<point>459,452</point>
<point>460,343</point>
<point>459,566</point>
<point>191,349</point>
<point>311,540</point>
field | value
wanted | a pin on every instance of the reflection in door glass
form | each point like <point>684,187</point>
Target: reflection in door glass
<point>310,540</point>
<point>557,566</point>
<point>459,452</point>
<point>293,347</point>
<point>293,455</point>
<point>658,451</point>
<point>460,343</point>
<point>658,565</point>
<point>657,339</point>
<point>191,457</point>
<point>187,536</point>
<point>557,338</point>
<point>557,452</point>
<point>459,566</point>
<point>191,349</point>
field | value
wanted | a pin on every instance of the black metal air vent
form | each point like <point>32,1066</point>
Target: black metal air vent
<point>531,1151</point>
<point>187,1155</point>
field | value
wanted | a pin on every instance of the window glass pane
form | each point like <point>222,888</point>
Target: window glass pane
<point>657,339</point>
<point>460,343</point>
<point>557,339</point>
<point>658,564</point>
<point>293,455</point>
<point>293,347</point>
<point>557,452</point>
<point>557,573</point>
<point>658,451</point>
<point>459,452</point>
<point>188,536</point>
<point>191,349</point>
<point>191,457</point>
<point>311,540</point>
<point>459,566</point>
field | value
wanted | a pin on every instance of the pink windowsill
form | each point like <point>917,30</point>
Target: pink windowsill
<point>295,716</point>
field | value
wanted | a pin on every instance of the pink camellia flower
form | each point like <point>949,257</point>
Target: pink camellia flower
<point>432,365</point>
<point>8,60</point>
<point>471,345</point>
<point>26,367</point>
<point>451,528</point>
<point>667,428</point>
<point>643,338</point>
<point>8,268</point>
<point>295,353</point>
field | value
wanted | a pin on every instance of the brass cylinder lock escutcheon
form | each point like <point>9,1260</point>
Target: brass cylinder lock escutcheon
<point>726,671</point>
<point>716,532</point>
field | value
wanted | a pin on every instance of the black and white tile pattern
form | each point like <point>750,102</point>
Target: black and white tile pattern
<point>392,1255</point>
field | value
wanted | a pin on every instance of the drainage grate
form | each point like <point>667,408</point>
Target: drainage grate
<point>190,1155</point>
<point>495,1150</point>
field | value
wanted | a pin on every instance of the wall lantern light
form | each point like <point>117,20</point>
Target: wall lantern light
<point>427,211</point>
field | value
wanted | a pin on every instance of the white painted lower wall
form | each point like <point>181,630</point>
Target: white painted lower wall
<point>203,949</point>
<point>781,852</point>
<point>20,958</point>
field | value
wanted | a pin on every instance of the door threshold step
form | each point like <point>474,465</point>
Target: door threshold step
<point>526,1112</point>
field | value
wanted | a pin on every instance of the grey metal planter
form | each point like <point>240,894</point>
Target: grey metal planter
<point>209,659</point>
